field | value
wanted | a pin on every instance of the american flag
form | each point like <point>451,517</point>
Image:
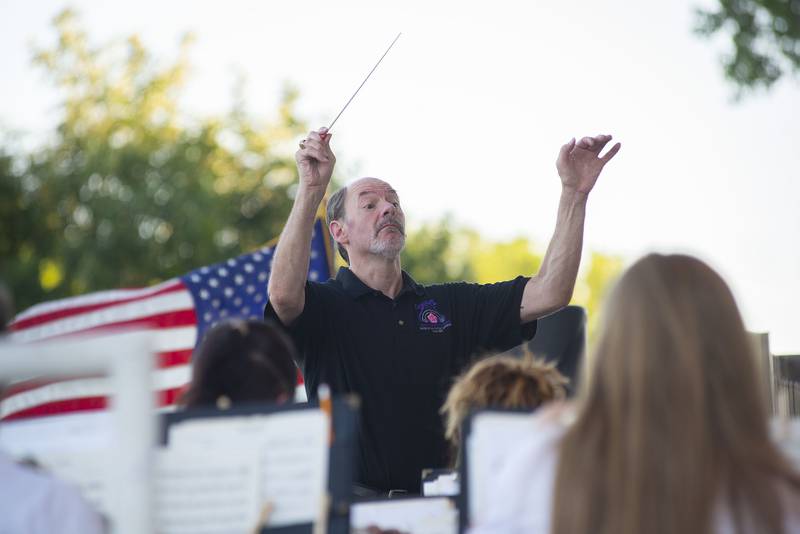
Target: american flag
<point>179,310</point>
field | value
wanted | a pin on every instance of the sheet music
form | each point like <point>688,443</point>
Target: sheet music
<point>77,432</point>
<point>445,485</point>
<point>214,491</point>
<point>493,436</point>
<point>211,492</point>
<point>416,516</point>
<point>292,456</point>
<point>71,447</point>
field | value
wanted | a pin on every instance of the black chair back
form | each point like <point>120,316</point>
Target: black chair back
<point>561,337</point>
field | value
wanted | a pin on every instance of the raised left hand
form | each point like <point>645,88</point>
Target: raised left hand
<point>579,163</point>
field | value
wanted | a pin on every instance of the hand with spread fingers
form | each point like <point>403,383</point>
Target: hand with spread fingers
<point>579,163</point>
<point>315,159</point>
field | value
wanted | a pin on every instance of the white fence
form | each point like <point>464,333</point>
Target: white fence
<point>127,358</point>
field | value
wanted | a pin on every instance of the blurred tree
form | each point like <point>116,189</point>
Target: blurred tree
<point>593,284</point>
<point>434,253</point>
<point>129,191</point>
<point>493,261</point>
<point>765,35</point>
<point>441,252</point>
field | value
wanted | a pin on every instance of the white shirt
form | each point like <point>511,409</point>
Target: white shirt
<point>521,495</point>
<point>32,503</point>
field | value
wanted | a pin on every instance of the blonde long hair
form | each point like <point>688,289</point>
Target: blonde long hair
<point>674,421</point>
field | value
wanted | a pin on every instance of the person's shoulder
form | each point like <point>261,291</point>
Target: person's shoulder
<point>330,283</point>
<point>454,287</point>
<point>458,295</point>
<point>463,293</point>
<point>27,480</point>
<point>466,285</point>
<point>44,499</point>
<point>68,507</point>
<point>446,286</point>
<point>331,287</point>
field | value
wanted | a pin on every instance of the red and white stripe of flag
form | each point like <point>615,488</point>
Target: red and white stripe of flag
<point>167,309</point>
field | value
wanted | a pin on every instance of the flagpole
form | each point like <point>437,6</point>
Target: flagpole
<point>322,212</point>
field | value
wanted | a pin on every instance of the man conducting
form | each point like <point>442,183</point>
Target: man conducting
<point>374,331</point>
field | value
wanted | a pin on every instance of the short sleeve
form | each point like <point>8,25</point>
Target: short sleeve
<point>302,329</point>
<point>494,321</point>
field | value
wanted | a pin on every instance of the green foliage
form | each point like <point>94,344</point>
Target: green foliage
<point>441,252</point>
<point>493,261</point>
<point>130,191</point>
<point>593,285</point>
<point>765,35</point>
<point>434,253</point>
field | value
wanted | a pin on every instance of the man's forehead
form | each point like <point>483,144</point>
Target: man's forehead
<point>366,186</point>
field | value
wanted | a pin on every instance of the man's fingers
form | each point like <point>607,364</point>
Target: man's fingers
<point>611,153</point>
<point>599,142</point>
<point>594,144</point>
<point>321,137</point>
<point>314,153</point>
<point>313,143</point>
<point>565,150</point>
<point>317,154</point>
<point>318,135</point>
<point>313,136</point>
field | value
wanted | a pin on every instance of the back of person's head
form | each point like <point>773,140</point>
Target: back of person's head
<point>674,420</point>
<point>499,382</point>
<point>6,308</point>
<point>242,361</point>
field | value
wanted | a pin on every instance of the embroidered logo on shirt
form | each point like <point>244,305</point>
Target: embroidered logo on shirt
<point>431,319</point>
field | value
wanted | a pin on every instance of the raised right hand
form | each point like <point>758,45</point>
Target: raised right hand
<point>315,160</point>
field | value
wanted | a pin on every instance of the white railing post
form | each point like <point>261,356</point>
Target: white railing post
<point>127,358</point>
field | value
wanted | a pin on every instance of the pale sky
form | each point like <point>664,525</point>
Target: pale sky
<point>468,111</point>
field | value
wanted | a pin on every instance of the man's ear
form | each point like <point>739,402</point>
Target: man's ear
<point>338,232</point>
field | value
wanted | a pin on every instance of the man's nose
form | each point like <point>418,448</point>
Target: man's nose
<point>388,209</point>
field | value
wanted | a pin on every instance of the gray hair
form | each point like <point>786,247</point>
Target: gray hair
<point>335,212</point>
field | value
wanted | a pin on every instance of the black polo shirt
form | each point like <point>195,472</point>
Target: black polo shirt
<point>400,356</point>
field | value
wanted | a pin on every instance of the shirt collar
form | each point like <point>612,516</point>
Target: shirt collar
<point>354,287</point>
